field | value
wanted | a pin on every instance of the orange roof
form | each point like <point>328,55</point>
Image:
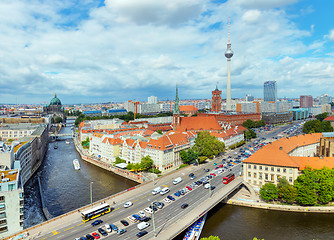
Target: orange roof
<point>188,108</point>
<point>168,140</point>
<point>201,123</point>
<point>17,147</point>
<point>277,153</point>
<point>330,118</point>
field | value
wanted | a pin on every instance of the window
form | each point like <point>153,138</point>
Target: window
<point>260,167</point>
<point>254,175</point>
<point>266,176</point>
<point>254,166</point>
<point>3,215</point>
<point>272,169</point>
<point>3,229</point>
<point>272,177</point>
<point>260,175</point>
<point>290,171</point>
<point>2,198</point>
<point>278,169</point>
<point>290,179</point>
<point>266,168</point>
<point>11,187</point>
<point>284,170</point>
<point>249,166</point>
<point>21,202</point>
<point>2,207</point>
<point>249,174</point>
<point>3,222</point>
<point>278,177</point>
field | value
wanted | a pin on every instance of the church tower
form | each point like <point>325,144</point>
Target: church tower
<point>216,100</point>
<point>176,112</point>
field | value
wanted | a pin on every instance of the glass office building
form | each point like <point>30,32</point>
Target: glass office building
<point>270,91</point>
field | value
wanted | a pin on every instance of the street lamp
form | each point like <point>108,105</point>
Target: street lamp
<point>91,194</point>
<point>151,203</point>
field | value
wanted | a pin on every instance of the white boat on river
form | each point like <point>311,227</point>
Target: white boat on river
<point>76,164</point>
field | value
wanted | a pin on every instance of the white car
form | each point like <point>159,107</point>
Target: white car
<point>128,204</point>
<point>207,185</point>
<point>132,219</point>
<point>166,200</point>
<point>142,214</point>
<point>108,228</point>
<point>148,210</point>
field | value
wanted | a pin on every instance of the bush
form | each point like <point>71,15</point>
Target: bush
<point>183,165</point>
<point>237,144</point>
<point>154,170</point>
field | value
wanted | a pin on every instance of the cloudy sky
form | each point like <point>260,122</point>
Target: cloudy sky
<point>91,51</point>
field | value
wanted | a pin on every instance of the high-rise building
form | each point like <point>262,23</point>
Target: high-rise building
<point>270,91</point>
<point>249,98</point>
<point>306,101</point>
<point>324,99</point>
<point>216,100</point>
<point>152,100</point>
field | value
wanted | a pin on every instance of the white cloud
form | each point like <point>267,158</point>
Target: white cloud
<point>331,35</point>
<point>265,4</point>
<point>251,16</point>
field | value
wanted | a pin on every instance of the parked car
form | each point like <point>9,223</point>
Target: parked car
<point>141,214</point>
<point>121,231</point>
<point>97,222</point>
<point>177,194</point>
<point>114,227</point>
<point>170,198</point>
<point>124,222</point>
<point>90,237</point>
<point>145,219</point>
<point>142,233</point>
<point>136,216</point>
<point>166,200</point>
<point>148,210</point>
<point>102,231</point>
<point>207,169</point>
<point>189,188</point>
<point>96,235</point>
<point>183,206</point>
<point>108,228</point>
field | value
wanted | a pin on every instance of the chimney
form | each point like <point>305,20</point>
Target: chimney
<point>280,148</point>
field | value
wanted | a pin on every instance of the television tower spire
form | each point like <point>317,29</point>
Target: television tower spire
<point>228,55</point>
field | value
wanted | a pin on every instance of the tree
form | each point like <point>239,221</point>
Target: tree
<point>130,166</point>
<point>210,238</point>
<point>184,156</point>
<point>306,185</point>
<point>207,145</point>
<point>269,192</point>
<point>321,116</point>
<point>315,126</point>
<point>146,162</point>
<point>283,182</point>
<point>119,160</point>
<point>188,156</point>
<point>159,131</point>
<point>136,167</point>
<point>287,193</point>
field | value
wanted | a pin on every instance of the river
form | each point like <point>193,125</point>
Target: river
<point>66,189</point>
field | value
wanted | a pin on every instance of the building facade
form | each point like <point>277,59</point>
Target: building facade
<point>216,100</point>
<point>306,101</point>
<point>270,91</point>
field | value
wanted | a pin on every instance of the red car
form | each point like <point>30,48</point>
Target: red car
<point>212,174</point>
<point>189,188</point>
<point>96,235</point>
<point>221,165</point>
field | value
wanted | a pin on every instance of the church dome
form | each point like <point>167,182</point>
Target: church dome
<point>55,101</point>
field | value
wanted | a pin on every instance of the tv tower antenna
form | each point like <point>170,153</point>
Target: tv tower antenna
<point>228,55</point>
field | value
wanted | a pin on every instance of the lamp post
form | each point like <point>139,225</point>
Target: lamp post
<point>151,203</point>
<point>91,194</point>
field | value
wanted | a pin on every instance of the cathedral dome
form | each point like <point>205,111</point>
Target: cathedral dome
<point>55,101</point>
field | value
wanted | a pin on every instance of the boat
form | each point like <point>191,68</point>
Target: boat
<point>55,146</point>
<point>67,142</point>
<point>76,164</point>
<point>194,231</point>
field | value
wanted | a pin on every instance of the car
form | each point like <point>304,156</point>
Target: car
<point>182,192</point>
<point>124,222</point>
<point>191,174</point>
<point>170,198</point>
<point>132,219</point>
<point>108,228</point>
<point>142,233</point>
<point>97,222</point>
<point>142,214</point>
<point>121,231</point>
<point>184,205</point>
<point>143,225</point>
<point>189,188</point>
<point>128,204</point>
<point>96,235</point>
<point>166,200</point>
<point>148,210</point>
<point>83,238</point>
<point>206,186</point>
<point>193,177</point>
<point>136,216</point>
<point>177,194</point>
<point>207,169</point>
<point>114,227</point>
<point>90,237</point>
<point>213,174</point>
<point>212,187</point>
<point>154,208</point>
<point>102,231</point>
<point>145,219</point>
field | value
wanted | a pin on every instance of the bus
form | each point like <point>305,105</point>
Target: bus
<point>96,212</point>
<point>228,178</point>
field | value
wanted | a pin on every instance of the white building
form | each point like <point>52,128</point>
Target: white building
<point>11,203</point>
<point>152,100</point>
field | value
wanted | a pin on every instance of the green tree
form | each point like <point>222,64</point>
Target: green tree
<point>137,167</point>
<point>306,185</point>
<point>85,143</point>
<point>130,166</point>
<point>269,192</point>
<point>210,238</point>
<point>119,160</point>
<point>283,182</point>
<point>207,145</point>
<point>159,131</point>
<point>146,162</point>
<point>184,156</point>
<point>316,126</point>
<point>321,116</point>
<point>192,155</point>
<point>287,193</point>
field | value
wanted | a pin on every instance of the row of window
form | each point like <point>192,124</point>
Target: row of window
<point>266,168</point>
<point>267,176</point>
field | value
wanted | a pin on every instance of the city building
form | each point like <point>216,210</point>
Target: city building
<point>270,91</point>
<point>286,157</point>
<point>326,147</point>
<point>55,108</point>
<point>152,100</point>
<point>275,118</point>
<point>300,113</point>
<point>216,100</point>
<point>234,119</point>
<point>188,110</point>
<point>249,98</point>
<point>330,119</point>
<point>325,99</point>
<point>306,101</point>
<point>11,203</point>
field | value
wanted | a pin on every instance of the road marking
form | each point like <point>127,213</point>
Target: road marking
<point>55,232</point>
<point>44,238</point>
<point>80,224</point>
<point>116,209</point>
<point>165,185</point>
<point>68,229</point>
<point>135,200</point>
<point>143,197</point>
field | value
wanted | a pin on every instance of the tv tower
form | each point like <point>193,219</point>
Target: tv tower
<point>228,55</point>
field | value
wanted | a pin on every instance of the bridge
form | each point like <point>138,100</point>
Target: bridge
<point>168,221</point>
<point>60,136</point>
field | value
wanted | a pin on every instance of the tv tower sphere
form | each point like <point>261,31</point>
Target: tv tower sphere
<point>229,52</point>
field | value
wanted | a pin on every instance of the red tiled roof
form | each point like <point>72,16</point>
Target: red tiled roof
<point>188,108</point>
<point>330,118</point>
<point>198,124</point>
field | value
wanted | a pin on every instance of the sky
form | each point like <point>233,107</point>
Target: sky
<point>94,51</point>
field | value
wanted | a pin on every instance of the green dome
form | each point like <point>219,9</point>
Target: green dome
<point>55,101</point>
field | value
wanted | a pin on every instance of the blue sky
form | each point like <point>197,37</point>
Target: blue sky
<point>91,51</point>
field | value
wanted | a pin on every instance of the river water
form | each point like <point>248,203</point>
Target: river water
<point>66,189</point>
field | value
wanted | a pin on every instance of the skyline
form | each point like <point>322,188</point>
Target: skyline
<point>106,51</point>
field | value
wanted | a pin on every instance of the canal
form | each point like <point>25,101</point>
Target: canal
<point>66,189</point>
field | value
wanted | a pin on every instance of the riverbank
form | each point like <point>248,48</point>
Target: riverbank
<point>247,199</point>
<point>107,166</point>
